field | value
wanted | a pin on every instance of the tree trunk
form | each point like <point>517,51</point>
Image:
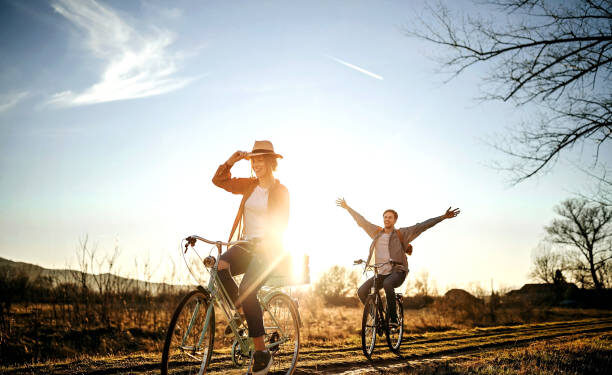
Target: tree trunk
<point>596,281</point>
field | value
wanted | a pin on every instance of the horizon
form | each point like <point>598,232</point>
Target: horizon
<point>434,290</point>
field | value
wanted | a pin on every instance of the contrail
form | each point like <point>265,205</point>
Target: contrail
<point>355,67</point>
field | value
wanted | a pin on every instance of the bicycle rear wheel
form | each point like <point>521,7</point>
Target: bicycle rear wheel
<point>368,327</point>
<point>187,349</point>
<point>282,326</point>
<point>394,336</point>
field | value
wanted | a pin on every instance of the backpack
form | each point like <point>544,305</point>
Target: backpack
<point>407,247</point>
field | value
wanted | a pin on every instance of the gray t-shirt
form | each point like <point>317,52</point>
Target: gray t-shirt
<point>382,253</point>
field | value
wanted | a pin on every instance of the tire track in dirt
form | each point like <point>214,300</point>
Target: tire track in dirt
<point>435,364</point>
<point>490,332</point>
<point>385,359</point>
<point>314,361</point>
<point>318,360</point>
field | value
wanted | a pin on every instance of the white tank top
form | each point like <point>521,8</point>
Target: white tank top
<point>256,214</point>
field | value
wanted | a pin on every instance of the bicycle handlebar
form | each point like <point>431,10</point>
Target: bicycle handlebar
<point>191,241</point>
<point>377,265</point>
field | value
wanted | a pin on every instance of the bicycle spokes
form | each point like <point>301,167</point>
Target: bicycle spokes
<point>190,336</point>
<point>369,327</point>
<point>281,323</point>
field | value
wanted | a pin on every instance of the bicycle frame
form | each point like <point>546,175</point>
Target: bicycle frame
<point>219,296</point>
<point>376,293</point>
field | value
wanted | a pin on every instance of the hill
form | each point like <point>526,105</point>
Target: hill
<point>56,277</point>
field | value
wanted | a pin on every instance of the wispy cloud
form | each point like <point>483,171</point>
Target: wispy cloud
<point>138,61</point>
<point>355,67</point>
<point>8,101</point>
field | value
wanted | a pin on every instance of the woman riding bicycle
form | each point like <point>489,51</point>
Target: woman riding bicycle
<point>261,221</point>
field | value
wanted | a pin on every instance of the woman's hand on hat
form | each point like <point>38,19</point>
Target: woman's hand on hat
<point>236,156</point>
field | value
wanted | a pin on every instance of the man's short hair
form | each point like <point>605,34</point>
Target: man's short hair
<point>392,211</point>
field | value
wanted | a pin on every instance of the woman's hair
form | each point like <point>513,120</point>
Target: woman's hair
<point>271,161</point>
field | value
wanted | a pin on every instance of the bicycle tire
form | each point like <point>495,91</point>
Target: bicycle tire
<point>284,310</point>
<point>394,339</point>
<point>191,360</point>
<point>369,325</point>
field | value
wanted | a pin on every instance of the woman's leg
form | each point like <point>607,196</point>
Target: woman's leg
<point>392,281</point>
<point>231,263</point>
<point>252,280</point>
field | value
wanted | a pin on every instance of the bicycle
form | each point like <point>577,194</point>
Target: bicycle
<point>191,334</point>
<point>375,318</point>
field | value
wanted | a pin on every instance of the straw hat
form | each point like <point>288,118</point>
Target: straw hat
<point>262,148</point>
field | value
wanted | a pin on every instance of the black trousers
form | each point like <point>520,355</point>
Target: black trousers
<point>389,283</point>
<point>255,274</point>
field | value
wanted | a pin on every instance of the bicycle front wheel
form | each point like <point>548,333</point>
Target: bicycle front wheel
<point>368,327</point>
<point>282,338</point>
<point>189,340</point>
<point>395,335</point>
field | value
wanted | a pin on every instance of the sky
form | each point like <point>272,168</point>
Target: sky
<point>115,115</point>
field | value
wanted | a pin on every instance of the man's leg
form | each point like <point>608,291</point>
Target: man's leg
<point>392,281</point>
<point>364,289</point>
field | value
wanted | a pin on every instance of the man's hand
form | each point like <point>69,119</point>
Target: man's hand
<point>451,213</point>
<point>236,156</point>
<point>340,202</point>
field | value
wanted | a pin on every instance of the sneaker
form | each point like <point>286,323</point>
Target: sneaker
<point>238,319</point>
<point>262,361</point>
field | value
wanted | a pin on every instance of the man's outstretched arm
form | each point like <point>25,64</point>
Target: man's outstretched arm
<point>370,228</point>
<point>410,233</point>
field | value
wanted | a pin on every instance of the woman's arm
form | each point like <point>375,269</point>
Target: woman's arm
<point>223,177</point>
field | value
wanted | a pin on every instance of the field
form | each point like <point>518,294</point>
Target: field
<point>331,345</point>
<point>110,327</point>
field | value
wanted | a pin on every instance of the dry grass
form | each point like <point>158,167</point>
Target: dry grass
<point>38,333</point>
<point>564,347</point>
<point>578,356</point>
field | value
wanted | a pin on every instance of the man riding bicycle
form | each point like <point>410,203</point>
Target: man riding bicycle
<point>390,246</point>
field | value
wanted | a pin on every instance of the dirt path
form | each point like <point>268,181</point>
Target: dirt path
<point>417,351</point>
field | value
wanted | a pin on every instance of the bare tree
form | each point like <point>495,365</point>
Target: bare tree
<point>585,228</point>
<point>337,282</point>
<point>601,191</point>
<point>546,262</point>
<point>557,54</point>
<point>424,286</point>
